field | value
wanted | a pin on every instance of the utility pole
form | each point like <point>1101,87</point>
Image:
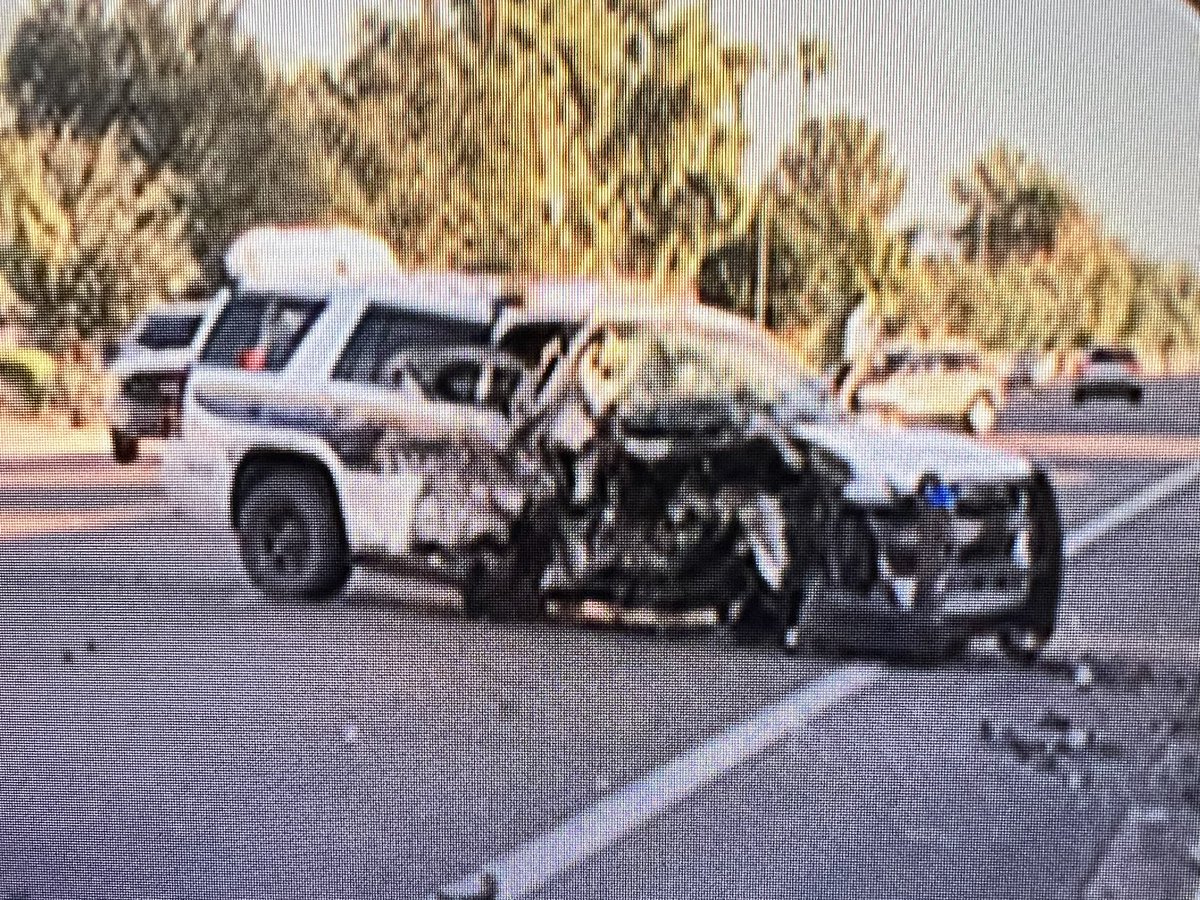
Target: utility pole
<point>766,209</point>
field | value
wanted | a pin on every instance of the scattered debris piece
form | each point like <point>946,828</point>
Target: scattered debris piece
<point>92,646</point>
<point>68,657</point>
<point>350,734</point>
<point>489,889</point>
<point>1084,675</point>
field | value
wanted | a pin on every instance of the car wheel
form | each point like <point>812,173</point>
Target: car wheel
<point>1022,645</point>
<point>855,403</point>
<point>981,415</point>
<point>1078,396</point>
<point>1135,396</point>
<point>292,540</point>
<point>506,583</point>
<point>125,447</point>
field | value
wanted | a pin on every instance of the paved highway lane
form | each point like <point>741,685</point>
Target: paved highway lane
<point>167,734</point>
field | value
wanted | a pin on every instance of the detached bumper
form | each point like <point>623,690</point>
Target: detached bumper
<point>877,622</point>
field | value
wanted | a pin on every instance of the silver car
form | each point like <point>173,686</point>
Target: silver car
<point>1109,372</point>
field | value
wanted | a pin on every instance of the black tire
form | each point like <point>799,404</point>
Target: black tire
<point>292,539</point>
<point>125,447</point>
<point>797,632</point>
<point>1078,397</point>
<point>508,585</point>
<point>981,404</point>
<point>1135,396</point>
<point>1023,639</point>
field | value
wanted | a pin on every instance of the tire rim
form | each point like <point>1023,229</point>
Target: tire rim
<point>283,543</point>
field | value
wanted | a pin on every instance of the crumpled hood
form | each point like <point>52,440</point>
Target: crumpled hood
<point>901,457</point>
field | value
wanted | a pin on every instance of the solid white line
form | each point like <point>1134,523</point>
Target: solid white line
<point>1087,534</point>
<point>534,864</point>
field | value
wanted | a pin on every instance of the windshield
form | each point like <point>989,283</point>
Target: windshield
<point>642,364</point>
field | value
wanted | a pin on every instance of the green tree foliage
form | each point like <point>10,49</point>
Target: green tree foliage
<point>1037,271</point>
<point>1014,207</point>
<point>538,136</point>
<point>834,189</point>
<point>189,93</point>
<point>88,236</point>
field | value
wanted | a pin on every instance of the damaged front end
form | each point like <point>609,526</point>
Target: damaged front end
<point>933,568</point>
<point>684,509</point>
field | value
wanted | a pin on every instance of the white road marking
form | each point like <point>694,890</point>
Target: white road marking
<point>1087,534</point>
<point>534,864</point>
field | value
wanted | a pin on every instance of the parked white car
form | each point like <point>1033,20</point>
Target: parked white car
<point>148,371</point>
<point>930,384</point>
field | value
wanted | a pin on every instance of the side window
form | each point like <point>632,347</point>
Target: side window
<point>169,331</point>
<point>259,332</point>
<point>384,332</point>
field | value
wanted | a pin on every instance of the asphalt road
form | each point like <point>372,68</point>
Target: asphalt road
<point>165,733</point>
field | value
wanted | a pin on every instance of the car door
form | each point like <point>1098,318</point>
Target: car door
<point>441,474</point>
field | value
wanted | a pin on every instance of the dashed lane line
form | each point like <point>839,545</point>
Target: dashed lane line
<point>538,862</point>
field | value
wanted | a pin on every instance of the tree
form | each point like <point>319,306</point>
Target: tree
<point>1013,206</point>
<point>88,236</point>
<point>188,92</point>
<point>620,118</point>
<point>834,189</point>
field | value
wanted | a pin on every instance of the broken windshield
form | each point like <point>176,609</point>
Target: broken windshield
<point>648,363</point>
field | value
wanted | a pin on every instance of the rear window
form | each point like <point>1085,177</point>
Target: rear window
<point>385,331</point>
<point>169,331</point>
<point>1113,355</point>
<point>274,325</point>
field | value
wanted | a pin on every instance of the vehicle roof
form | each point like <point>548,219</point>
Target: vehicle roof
<point>178,308</point>
<point>286,255</point>
<point>474,298</point>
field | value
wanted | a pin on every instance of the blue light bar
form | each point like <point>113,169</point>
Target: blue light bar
<point>940,496</point>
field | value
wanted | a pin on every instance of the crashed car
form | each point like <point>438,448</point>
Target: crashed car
<point>705,466</point>
<point>651,455</point>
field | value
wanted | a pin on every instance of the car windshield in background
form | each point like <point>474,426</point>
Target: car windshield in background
<point>169,331</point>
<point>1113,356</point>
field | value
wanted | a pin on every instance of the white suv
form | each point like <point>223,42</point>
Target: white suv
<point>148,371</point>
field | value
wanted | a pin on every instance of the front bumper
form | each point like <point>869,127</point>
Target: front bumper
<point>142,420</point>
<point>940,576</point>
